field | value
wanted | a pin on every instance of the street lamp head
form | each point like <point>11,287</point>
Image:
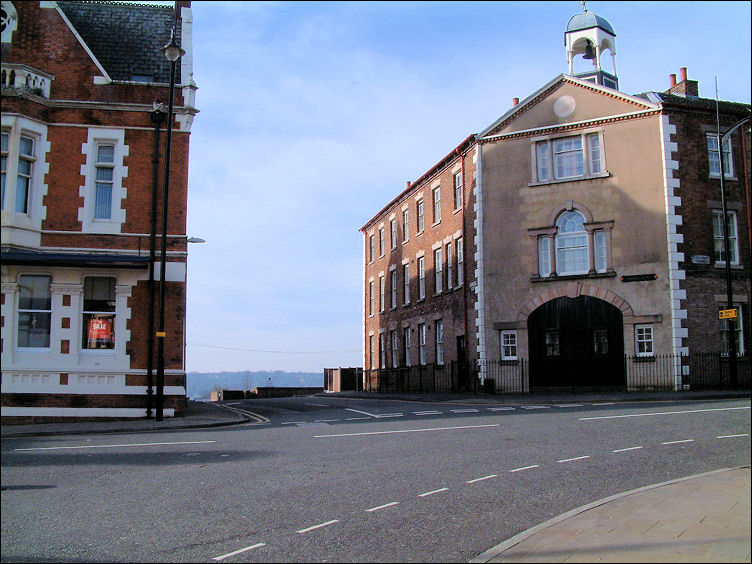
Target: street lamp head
<point>195,240</point>
<point>172,51</point>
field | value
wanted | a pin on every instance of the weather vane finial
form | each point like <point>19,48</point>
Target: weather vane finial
<point>584,5</point>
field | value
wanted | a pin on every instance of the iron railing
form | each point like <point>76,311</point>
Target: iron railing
<point>669,372</point>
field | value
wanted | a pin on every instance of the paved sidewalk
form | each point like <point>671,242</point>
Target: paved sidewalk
<point>703,518</point>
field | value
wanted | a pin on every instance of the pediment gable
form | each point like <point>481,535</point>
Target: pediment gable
<point>563,101</point>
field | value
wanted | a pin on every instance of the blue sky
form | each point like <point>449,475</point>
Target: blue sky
<point>313,115</point>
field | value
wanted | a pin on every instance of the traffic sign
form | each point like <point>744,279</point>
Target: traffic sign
<point>727,314</point>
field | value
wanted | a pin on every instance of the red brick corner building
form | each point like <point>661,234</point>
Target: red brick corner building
<point>85,91</point>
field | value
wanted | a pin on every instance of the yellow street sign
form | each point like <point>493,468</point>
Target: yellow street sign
<point>727,314</point>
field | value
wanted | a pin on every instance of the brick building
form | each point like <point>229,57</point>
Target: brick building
<point>593,227</point>
<point>85,91</point>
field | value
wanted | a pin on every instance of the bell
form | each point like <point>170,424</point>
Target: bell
<point>589,52</point>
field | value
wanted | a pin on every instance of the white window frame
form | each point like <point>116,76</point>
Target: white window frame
<point>371,248</point>
<point>460,261</point>
<point>714,168</point>
<point>644,340</point>
<point>563,248</point>
<point>382,350</point>
<point>719,239</point>
<point>393,287</point>
<point>87,214</point>
<point>547,154</point>
<point>29,158</point>
<point>421,218</point>
<point>458,191</point>
<point>112,314</point>
<point>370,352</point>
<point>48,312</point>
<point>438,265</point>
<point>370,298</point>
<point>436,193</point>
<point>421,277</point>
<point>406,282</point>
<point>422,344</point>
<point>100,214</point>
<point>508,344</point>
<point>395,347</point>
<point>393,233</point>
<point>382,293</point>
<point>381,242</point>
<point>406,335</point>
<point>738,328</point>
<point>405,225</point>
<point>439,342</point>
<point>450,266</point>
<point>5,151</point>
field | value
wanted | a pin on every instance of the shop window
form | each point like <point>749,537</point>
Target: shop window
<point>98,327</point>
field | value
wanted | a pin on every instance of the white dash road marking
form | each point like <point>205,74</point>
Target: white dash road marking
<point>500,409</point>
<point>383,506</point>
<point>626,449</point>
<point>733,436</point>
<point>524,468</point>
<point>234,403</point>
<point>116,446</point>
<point>570,405</point>
<point>384,415</point>
<point>318,404</point>
<point>433,492</point>
<point>301,531</point>
<point>573,459</point>
<point>604,403</point>
<point>404,431</point>
<point>427,412</point>
<point>661,413</point>
<point>356,418</point>
<point>534,406</point>
<point>325,420</point>
<point>677,442</point>
<point>464,410</point>
<point>483,478</point>
<point>292,422</point>
<point>246,549</point>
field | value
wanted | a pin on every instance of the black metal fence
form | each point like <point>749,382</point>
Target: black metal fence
<point>670,372</point>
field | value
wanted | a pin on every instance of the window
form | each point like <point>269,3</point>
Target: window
<point>420,216</point>
<point>599,241</point>
<point>736,327</point>
<point>460,261</point>
<point>371,357</point>
<point>552,343</point>
<point>571,244</point>
<point>24,174</point>
<point>105,167</point>
<point>439,342</point>
<point>405,225</point>
<point>406,346</point>
<point>371,248</point>
<point>395,345</point>
<point>719,246</point>
<point>714,158</point>
<point>437,204</point>
<point>458,190</point>
<point>449,265</point>
<point>381,241</point>
<point>644,340</point>
<point>406,282</point>
<point>370,297</point>
<point>34,312</point>
<point>544,256</point>
<point>600,342</point>
<point>438,265</point>
<point>421,277</point>
<point>566,158</point>
<point>509,345</point>
<point>382,290</point>
<point>98,327</point>
<point>4,146</point>
<point>393,288</point>
<point>421,344</point>
<point>382,350</point>
<point>393,233</point>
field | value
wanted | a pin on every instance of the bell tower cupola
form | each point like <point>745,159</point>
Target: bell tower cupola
<point>591,36</point>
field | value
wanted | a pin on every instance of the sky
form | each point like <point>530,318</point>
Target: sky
<point>314,115</point>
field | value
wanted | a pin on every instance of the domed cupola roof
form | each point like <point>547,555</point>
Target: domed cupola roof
<point>587,20</point>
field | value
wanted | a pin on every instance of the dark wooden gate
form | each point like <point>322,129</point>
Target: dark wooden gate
<point>576,343</point>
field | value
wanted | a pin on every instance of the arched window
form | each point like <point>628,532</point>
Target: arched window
<point>572,256</point>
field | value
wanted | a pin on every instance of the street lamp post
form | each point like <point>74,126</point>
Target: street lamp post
<point>727,243</point>
<point>172,52</point>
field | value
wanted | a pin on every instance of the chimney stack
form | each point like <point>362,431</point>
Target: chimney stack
<point>672,80</point>
<point>515,101</point>
<point>683,72</point>
<point>685,87</point>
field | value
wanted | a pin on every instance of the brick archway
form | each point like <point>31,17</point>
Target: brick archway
<point>573,289</point>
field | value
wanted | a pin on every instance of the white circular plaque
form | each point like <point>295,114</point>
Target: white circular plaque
<point>564,106</point>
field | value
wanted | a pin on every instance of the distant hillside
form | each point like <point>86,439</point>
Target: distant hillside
<point>200,384</point>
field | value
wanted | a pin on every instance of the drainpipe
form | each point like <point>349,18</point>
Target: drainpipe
<point>464,250</point>
<point>157,118</point>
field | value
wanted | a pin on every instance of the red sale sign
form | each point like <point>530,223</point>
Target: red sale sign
<point>100,330</point>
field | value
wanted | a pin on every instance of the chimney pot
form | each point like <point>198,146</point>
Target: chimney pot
<point>515,101</point>
<point>672,79</point>
<point>408,184</point>
<point>683,72</point>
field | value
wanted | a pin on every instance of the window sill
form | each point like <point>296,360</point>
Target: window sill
<point>510,361</point>
<point>555,277</point>
<point>650,358</point>
<point>734,266</point>
<point>435,223</point>
<point>714,176</point>
<point>605,174</point>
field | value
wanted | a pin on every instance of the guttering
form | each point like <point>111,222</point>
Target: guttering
<point>411,185</point>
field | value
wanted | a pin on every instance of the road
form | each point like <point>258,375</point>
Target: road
<point>348,480</point>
